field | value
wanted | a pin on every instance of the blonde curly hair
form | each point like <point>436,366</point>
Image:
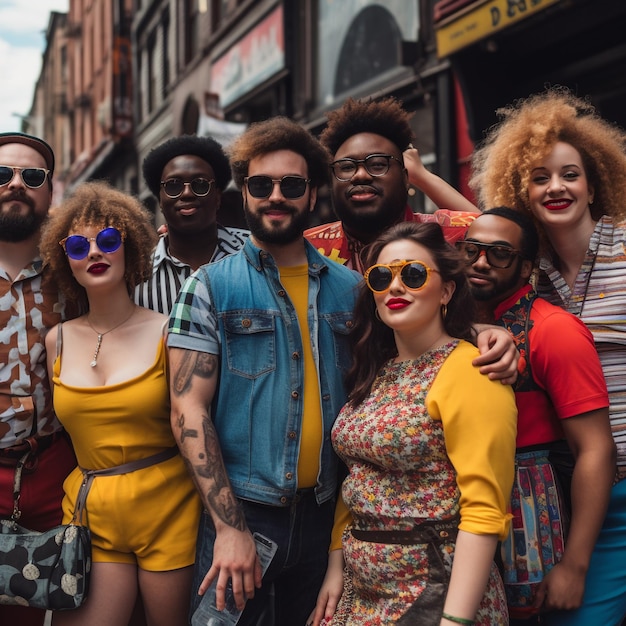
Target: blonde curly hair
<point>527,133</point>
<point>100,205</point>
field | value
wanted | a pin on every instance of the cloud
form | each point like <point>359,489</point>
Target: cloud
<point>22,42</point>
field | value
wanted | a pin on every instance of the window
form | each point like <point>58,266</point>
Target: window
<point>192,22</point>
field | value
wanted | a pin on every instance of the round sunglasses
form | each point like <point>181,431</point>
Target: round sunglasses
<point>32,177</point>
<point>291,187</point>
<point>175,187</point>
<point>413,274</point>
<point>77,246</point>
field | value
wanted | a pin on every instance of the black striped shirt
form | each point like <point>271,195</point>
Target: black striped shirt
<point>168,273</point>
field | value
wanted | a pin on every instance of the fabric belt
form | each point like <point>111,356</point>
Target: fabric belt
<point>33,445</point>
<point>125,468</point>
<point>425,532</point>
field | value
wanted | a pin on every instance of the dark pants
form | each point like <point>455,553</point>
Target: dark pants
<point>292,582</point>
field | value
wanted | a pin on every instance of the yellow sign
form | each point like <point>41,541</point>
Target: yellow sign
<point>490,17</point>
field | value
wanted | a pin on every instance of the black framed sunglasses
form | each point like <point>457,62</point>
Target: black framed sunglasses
<point>291,187</point>
<point>77,246</point>
<point>175,187</point>
<point>374,164</point>
<point>32,177</point>
<point>498,256</point>
<point>413,274</point>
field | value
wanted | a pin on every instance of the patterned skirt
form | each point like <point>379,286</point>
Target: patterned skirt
<point>389,582</point>
<point>536,538</point>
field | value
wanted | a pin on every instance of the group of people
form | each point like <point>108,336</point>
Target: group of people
<point>396,400</point>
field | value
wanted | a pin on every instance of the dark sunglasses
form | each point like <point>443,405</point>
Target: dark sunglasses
<point>77,247</point>
<point>498,256</point>
<point>32,177</point>
<point>414,275</point>
<point>291,187</point>
<point>175,187</point>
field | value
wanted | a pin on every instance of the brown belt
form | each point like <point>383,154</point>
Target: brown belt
<point>35,445</point>
<point>426,532</point>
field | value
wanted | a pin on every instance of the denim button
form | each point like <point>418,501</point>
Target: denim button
<point>295,395</point>
<point>246,323</point>
<point>288,475</point>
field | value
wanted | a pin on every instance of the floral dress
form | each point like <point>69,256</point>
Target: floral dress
<point>400,475</point>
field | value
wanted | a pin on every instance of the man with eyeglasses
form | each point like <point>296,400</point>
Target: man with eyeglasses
<point>562,403</point>
<point>370,144</point>
<point>188,175</point>
<point>30,304</point>
<point>272,320</point>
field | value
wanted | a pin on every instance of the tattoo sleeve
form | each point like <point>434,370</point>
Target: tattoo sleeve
<point>193,364</point>
<point>219,494</point>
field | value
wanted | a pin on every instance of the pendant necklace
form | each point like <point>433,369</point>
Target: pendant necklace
<point>94,362</point>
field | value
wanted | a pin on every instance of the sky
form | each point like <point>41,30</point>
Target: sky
<point>23,25</point>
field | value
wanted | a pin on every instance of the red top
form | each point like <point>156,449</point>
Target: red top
<point>565,364</point>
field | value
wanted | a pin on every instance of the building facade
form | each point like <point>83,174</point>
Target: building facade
<point>141,71</point>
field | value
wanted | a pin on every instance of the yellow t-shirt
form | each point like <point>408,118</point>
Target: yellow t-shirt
<point>295,280</point>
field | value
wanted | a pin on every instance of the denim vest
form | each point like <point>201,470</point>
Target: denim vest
<point>258,405</point>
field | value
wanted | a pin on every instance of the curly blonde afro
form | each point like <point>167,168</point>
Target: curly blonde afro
<point>527,133</point>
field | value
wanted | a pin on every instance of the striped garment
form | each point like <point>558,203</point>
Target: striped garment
<point>168,273</point>
<point>599,299</point>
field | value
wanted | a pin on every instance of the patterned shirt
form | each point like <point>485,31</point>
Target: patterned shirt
<point>332,241</point>
<point>599,300</point>
<point>29,306</point>
<point>168,273</point>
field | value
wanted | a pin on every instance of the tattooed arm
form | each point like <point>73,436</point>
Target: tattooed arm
<point>192,387</point>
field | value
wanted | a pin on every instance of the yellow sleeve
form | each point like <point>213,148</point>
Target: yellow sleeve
<point>342,519</point>
<point>479,419</point>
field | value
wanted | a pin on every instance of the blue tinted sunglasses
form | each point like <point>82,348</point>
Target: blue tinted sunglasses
<point>77,247</point>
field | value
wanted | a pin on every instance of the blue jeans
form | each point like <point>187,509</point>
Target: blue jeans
<point>604,602</point>
<point>292,582</point>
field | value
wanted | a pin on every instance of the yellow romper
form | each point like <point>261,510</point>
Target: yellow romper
<point>148,517</point>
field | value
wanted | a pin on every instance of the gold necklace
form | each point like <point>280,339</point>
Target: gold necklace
<point>94,362</point>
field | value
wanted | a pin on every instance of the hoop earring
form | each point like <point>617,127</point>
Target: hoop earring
<point>444,311</point>
<point>377,314</point>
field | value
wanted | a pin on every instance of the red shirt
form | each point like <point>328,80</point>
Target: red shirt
<point>564,363</point>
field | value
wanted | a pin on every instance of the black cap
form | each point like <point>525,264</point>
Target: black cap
<point>32,142</point>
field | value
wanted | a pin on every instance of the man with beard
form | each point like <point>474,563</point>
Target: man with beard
<point>188,175</point>
<point>30,304</point>
<point>272,319</point>
<point>562,404</point>
<point>371,142</point>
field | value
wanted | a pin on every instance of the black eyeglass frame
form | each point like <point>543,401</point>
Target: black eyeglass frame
<point>275,181</point>
<point>21,170</point>
<point>189,183</point>
<point>357,162</point>
<point>488,249</point>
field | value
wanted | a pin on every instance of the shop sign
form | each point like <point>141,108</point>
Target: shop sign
<point>457,32</point>
<point>252,60</point>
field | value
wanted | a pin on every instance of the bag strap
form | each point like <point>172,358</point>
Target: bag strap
<point>59,342</point>
<point>125,468</point>
<point>17,479</point>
